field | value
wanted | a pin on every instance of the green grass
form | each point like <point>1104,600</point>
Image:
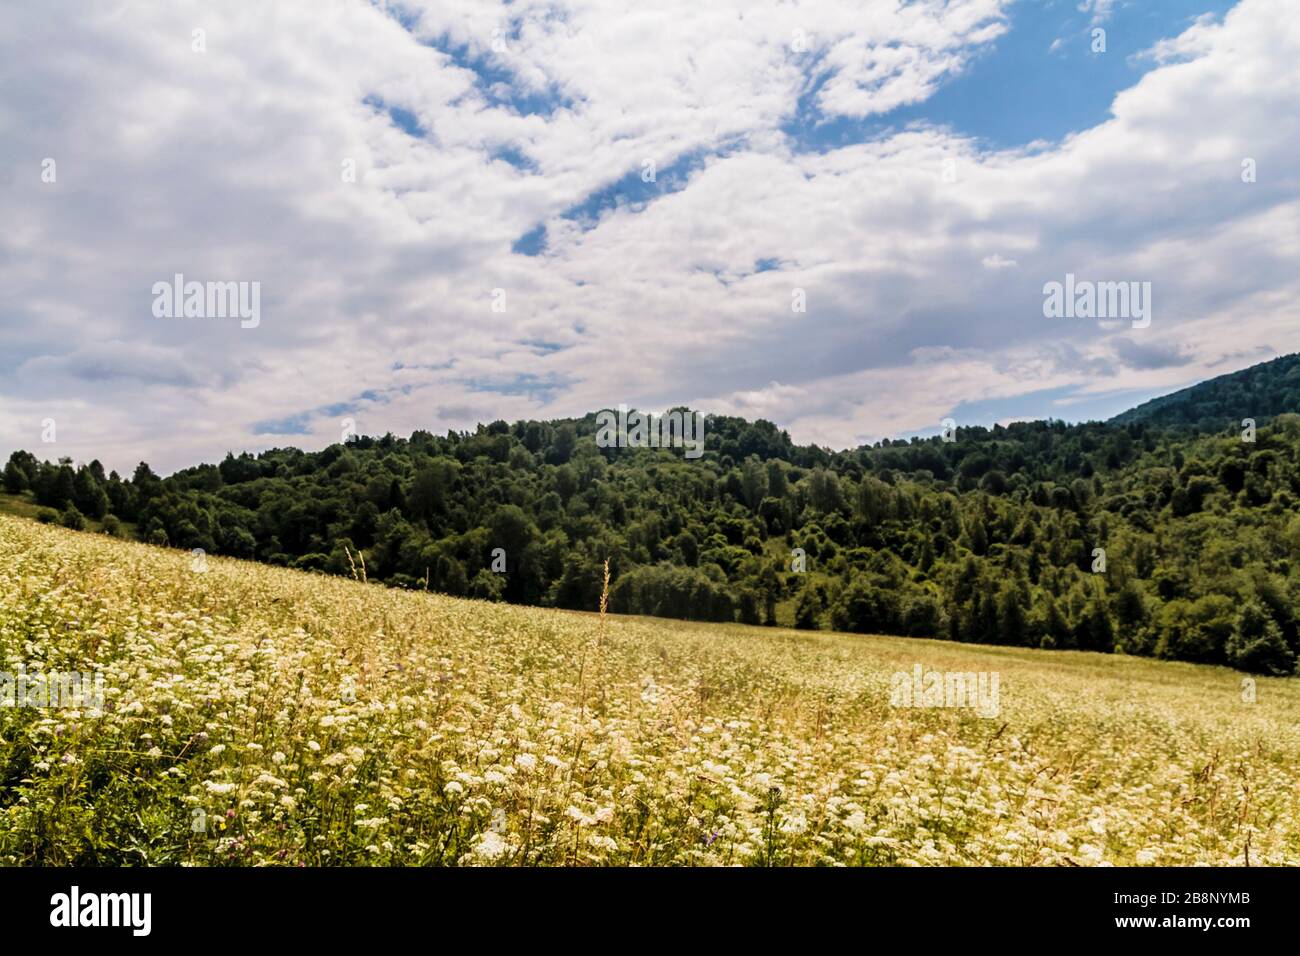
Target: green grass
<point>24,505</point>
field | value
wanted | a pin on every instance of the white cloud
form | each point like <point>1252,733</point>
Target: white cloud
<point>1101,10</point>
<point>922,293</point>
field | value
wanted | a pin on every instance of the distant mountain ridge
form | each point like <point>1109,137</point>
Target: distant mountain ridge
<point>1260,392</point>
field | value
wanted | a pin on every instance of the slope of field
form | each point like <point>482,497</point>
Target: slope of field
<point>25,506</point>
<point>264,716</point>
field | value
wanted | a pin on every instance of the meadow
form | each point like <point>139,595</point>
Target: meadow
<point>262,716</point>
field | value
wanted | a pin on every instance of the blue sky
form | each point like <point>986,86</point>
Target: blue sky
<point>467,210</point>
<point>1041,81</point>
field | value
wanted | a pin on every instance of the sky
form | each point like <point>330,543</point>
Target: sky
<point>457,211</point>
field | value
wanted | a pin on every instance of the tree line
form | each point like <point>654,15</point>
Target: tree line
<point>1126,536</point>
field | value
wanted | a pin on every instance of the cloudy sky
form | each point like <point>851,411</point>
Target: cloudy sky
<point>446,205</point>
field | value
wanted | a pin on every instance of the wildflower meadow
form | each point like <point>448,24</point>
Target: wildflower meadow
<point>260,716</point>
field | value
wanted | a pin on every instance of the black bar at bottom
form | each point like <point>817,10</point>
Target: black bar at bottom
<point>336,906</point>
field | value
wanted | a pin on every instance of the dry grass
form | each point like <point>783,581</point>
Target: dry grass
<point>316,720</point>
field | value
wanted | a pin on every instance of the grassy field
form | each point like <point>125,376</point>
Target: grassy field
<point>255,715</point>
<point>24,506</point>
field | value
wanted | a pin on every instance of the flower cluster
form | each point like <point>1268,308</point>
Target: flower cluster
<point>255,715</point>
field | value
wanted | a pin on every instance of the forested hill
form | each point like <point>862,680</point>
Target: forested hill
<point>1258,392</point>
<point>1130,536</point>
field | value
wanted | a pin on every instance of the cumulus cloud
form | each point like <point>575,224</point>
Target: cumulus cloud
<point>374,167</point>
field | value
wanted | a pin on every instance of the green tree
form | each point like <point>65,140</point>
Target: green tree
<point>1256,643</point>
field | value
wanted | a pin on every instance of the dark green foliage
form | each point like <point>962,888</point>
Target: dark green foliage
<point>1259,392</point>
<point>1257,644</point>
<point>18,472</point>
<point>667,590</point>
<point>989,538</point>
<point>72,518</point>
<point>868,605</point>
<point>808,610</point>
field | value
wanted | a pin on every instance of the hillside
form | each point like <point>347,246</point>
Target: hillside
<point>1134,537</point>
<point>1260,392</point>
<point>258,715</point>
